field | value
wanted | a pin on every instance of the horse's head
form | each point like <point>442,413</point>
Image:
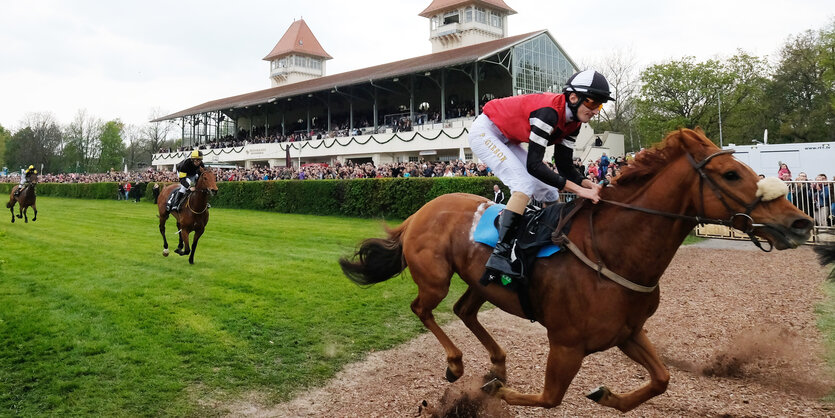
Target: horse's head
<point>207,181</point>
<point>720,189</point>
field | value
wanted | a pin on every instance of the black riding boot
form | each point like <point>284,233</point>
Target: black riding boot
<point>499,263</point>
<point>172,201</point>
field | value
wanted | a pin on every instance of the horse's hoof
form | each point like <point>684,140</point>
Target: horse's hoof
<point>598,394</point>
<point>492,375</point>
<point>492,387</point>
<point>165,252</point>
<point>450,376</point>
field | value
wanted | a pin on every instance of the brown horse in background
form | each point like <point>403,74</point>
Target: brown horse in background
<point>643,218</point>
<point>25,199</point>
<point>193,214</point>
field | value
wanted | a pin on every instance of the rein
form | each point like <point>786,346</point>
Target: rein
<point>188,203</point>
<point>747,226</point>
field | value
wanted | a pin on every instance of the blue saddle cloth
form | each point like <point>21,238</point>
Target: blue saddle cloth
<point>486,232</point>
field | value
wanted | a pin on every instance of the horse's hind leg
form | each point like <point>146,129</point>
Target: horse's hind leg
<point>433,286</point>
<point>640,349</point>
<point>563,364</point>
<point>467,309</point>
<point>11,209</point>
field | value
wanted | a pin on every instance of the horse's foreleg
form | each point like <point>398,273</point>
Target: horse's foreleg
<point>25,215</point>
<point>35,208</point>
<point>197,234</point>
<point>433,286</point>
<point>640,349</point>
<point>11,209</point>
<point>162,220</point>
<point>563,364</point>
<point>184,248</point>
<point>467,309</point>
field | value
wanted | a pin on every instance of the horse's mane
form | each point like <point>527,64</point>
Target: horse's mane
<point>650,161</point>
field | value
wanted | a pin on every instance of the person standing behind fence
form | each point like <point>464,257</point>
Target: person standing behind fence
<point>498,194</point>
<point>822,197</point>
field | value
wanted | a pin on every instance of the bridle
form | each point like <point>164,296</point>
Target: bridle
<point>739,220</point>
<point>747,224</point>
<point>188,201</point>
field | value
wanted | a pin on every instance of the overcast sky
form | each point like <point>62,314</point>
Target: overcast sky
<point>124,59</point>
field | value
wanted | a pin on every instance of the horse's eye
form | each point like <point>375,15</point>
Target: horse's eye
<point>731,176</point>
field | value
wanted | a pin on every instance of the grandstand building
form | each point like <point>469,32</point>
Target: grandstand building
<point>405,110</point>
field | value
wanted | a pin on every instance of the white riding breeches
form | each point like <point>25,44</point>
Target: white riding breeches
<point>507,160</point>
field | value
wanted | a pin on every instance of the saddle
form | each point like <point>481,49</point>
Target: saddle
<point>533,239</point>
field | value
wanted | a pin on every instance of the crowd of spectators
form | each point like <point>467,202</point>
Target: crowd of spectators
<point>261,135</point>
<point>815,197</point>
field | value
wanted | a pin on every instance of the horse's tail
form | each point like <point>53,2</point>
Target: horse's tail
<point>376,259</point>
<point>11,201</point>
<point>826,256</point>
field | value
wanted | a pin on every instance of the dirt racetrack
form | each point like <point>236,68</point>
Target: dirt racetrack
<point>736,327</point>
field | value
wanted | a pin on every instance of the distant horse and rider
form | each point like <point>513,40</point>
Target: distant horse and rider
<point>600,293</point>
<point>24,195</point>
<point>188,202</point>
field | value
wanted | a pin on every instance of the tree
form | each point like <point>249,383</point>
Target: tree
<point>112,152</point>
<point>37,143</point>
<point>686,93</point>
<point>801,96</point>
<point>82,147</point>
<point>620,69</point>
<point>5,136</point>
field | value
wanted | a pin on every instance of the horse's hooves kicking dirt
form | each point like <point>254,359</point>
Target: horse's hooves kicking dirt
<point>450,376</point>
<point>597,394</point>
<point>492,387</point>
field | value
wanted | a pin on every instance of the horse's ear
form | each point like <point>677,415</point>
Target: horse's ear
<point>699,130</point>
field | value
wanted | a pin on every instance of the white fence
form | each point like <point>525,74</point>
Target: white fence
<point>814,198</point>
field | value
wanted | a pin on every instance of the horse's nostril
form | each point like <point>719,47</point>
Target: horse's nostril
<point>802,224</point>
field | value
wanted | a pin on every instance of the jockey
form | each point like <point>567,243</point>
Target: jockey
<point>27,177</point>
<point>188,171</point>
<point>540,119</point>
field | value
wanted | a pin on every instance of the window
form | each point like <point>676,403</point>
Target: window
<point>495,20</point>
<point>480,15</point>
<point>468,14</point>
<point>315,63</point>
<point>451,17</point>
<point>435,20</point>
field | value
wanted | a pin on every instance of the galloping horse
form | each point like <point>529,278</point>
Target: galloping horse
<point>632,235</point>
<point>192,216</point>
<point>25,199</point>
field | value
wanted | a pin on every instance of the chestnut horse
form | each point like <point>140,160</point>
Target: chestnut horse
<point>25,199</point>
<point>192,216</point>
<point>632,234</point>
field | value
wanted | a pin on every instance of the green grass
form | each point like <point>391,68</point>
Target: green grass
<point>825,312</point>
<point>95,321</point>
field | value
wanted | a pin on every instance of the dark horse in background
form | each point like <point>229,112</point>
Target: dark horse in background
<point>193,214</point>
<point>25,199</point>
<point>650,209</point>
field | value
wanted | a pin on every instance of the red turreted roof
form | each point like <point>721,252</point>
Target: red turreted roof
<point>298,39</point>
<point>419,64</point>
<point>441,5</point>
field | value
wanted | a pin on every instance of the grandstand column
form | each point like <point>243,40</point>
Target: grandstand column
<point>475,88</point>
<point>443,97</point>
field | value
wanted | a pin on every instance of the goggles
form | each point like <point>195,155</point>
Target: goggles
<point>592,104</point>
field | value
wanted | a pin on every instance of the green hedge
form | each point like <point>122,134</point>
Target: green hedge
<point>390,198</point>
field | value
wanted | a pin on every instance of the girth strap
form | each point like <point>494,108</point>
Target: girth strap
<point>602,269</point>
